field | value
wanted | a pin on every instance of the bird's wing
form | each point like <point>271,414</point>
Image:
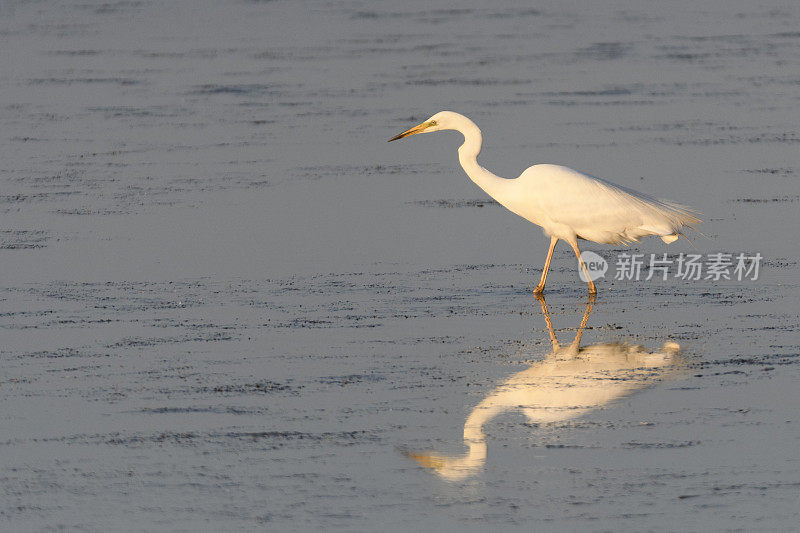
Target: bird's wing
<point>598,210</point>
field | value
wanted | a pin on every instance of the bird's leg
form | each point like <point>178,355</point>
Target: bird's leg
<point>540,287</point>
<point>592,289</point>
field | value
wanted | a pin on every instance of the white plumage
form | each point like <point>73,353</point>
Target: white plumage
<point>593,209</point>
<point>567,204</point>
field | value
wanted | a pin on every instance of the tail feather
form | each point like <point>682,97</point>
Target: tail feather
<point>665,218</point>
<point>690,242</point>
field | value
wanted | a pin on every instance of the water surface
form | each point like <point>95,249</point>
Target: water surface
<point>228,304</point>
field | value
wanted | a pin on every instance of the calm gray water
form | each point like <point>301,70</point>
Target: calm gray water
<point>228,304</point>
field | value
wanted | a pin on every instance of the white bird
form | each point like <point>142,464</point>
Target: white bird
<point>567,204</point>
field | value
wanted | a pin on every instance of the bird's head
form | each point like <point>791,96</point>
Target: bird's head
<point>443,120</point>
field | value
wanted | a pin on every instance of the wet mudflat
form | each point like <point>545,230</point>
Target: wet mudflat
<point>227,304</point>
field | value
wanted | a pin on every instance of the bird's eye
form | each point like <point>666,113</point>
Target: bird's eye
<point>432,123</point>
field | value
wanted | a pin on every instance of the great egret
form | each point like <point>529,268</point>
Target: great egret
<point>567,204</point>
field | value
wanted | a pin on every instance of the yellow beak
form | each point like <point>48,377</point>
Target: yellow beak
<point>413,131</point>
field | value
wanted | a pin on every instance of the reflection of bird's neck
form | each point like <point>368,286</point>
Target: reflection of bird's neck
<point>468,157</point>
<point>480,415</point>
<point>463,466</point>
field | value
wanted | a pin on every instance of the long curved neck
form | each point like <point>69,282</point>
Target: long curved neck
<point>468,157</point>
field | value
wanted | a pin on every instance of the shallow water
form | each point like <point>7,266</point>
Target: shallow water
<point>228,304</point>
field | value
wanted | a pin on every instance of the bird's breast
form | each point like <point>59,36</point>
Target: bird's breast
<point>521,201</point>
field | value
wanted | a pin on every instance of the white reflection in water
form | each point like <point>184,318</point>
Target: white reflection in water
<point>568,383</point>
